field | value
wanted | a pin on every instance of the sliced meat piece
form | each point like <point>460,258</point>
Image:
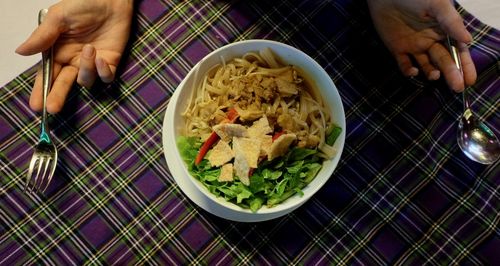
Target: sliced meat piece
<point>287,88</point>
<point>250,113</point>
<point>259,128</point>
<point>281,145</point>
<point>248,148</point>
<point>287,75</point>
<point>226,173</point>
<point>241,168</point>
<point>246,156</point>
<point>221,153</point>
<point>286,122</point>
<point>265,146</point>
<point>227,131</point>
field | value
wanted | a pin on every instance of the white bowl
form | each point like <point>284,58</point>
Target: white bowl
<point>173,123</point>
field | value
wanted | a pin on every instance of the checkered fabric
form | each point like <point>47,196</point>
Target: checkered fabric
<point>403,192</point>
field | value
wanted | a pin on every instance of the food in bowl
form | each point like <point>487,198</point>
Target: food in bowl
<point>256,131</point>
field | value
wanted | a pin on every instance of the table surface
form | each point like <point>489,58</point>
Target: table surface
<point>403,193</point>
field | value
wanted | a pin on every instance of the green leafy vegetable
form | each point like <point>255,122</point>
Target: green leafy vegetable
<point>270,184</point>
<point>242,192</point>
<point>256,203</point>
<point>188,148</point>
<point>257,182</point>
<point>270,174</point>
<point>298,154</point>
<point>332,133</point>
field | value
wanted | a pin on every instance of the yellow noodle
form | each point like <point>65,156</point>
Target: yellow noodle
<point>250,84</point>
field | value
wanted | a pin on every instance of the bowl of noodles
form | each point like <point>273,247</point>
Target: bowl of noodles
<point>255,129</point>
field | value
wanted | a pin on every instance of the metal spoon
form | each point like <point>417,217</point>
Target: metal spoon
<point>475,139</point>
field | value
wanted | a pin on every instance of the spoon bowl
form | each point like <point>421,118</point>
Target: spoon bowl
<point>477,140</point>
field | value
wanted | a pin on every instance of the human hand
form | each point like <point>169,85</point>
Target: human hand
<point>88,36</point>
<point>418,29</point>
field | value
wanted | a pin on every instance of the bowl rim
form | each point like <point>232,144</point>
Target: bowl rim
<point>282,207</point>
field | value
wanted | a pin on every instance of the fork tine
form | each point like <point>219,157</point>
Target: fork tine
<point>51,173</point>
<point>44,180</point>
<point>29,176</point>
<point>37,177</point>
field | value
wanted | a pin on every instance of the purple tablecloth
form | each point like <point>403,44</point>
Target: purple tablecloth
<point>403,193</point>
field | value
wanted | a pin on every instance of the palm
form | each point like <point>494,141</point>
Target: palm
<point>107,34</point>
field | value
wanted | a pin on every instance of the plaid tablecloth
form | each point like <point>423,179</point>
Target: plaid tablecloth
<point>403,192</point>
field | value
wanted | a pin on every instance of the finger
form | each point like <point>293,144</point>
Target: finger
<point>36,92</point>
<point>61,88</point>
<point>45,35</point>
<point>87,72</point>
<point>429,69</point>
<point>469,70</point>
<point>106,72</point>
<point>406,66</point>
<point>451,22</point>
<point>442,59</point>
<point>36,97</point>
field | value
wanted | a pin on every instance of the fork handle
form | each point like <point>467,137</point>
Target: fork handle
<point>47,60</point>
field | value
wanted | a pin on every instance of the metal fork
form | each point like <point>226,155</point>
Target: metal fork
<point>44,158</point>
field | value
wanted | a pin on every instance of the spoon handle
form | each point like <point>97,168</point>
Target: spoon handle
<point>452,47</point>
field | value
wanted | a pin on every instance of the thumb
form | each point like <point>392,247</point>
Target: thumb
<point>450,21</point>
<point>44,36</point>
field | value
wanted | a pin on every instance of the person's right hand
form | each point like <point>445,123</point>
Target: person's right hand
<point>417,29</point>
<point>88,36</point>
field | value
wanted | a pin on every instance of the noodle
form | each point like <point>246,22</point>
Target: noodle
<point>257,85</point>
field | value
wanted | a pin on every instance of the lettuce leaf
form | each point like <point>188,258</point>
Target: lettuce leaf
<point>271,183</point>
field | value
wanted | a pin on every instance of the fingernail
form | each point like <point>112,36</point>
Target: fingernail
<point>470,39</point>
<point>412,72</point>
<point>88,51</point>
<point>457,86</point>
<point>434,75</point>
